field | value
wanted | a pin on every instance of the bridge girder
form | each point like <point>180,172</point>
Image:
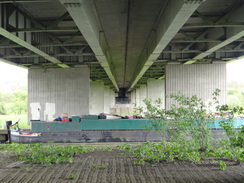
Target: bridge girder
<point>123,42</point>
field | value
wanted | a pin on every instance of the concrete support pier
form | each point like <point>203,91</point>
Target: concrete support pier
<point>102,98</point>
<point>52,92</point>
<point>197,79</point>
<point>96,97</point>
<point>156,90</point>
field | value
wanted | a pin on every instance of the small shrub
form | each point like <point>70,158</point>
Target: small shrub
<point>47,154</point>
<point>102,166</point>
<point>185,128</point>
<point>72,176</point>
<point>27,168</point>
<point>222,165</point>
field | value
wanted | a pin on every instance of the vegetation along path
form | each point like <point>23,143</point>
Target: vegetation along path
<point>106,164</point>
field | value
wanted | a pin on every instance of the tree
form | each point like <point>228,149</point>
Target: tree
<point>19,105</point>
<point>2,109</point>
<point>2,106</point>
<point>233,100</point>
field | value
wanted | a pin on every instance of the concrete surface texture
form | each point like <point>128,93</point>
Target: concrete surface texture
<point>52,92</point>
<point>200,80</point>
<point>96,97</point>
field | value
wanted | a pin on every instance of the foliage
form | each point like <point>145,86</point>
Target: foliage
<point>235,94</point>
<point>185,128</point>
<point>46,154</point>
<point>231,92</point>
<point>156,152</point>
<point>189,118</point>
<point>2,109</point>
<point>4,98</point>
<point>21,118</point>
<point>225,151</point>
<point>72,176</point>
<point>125,147</point>
<point>19,107</point>
<point>27,168</point>
<point>236,138</point>
<point>102,166</point>
<point>222,165</point>
<point>235,86</point>
<point>13,103</point>
<point>233,100</point>
<point>19,104</point>
<point>107,148</point>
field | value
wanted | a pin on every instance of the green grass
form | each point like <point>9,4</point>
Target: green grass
<point>22,123</point>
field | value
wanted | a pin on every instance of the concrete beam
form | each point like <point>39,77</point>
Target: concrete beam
<point>85,16</point>
<point>231,34</point>
<point>28,46</point>
<point>236,59</point>
<point>56,22</point>
<point>12,63</point>
<point>52,29</point>
<point>45,45</point>
<point>234,34</point>
<point>22,1</point>
<point>56,55</point>
<point>175,15</point>
<point>200,25</point>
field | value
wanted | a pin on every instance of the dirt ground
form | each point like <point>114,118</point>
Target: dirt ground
<point>114,167</point>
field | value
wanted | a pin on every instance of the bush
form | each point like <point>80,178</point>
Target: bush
<point>236,138</point>
<point>185,128</point>
<point>189,118</point>
<point>13,103</point>
<point>2,109</point>
<point>18,107</point>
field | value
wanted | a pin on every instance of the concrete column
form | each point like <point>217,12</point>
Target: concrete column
<point>156,90</point>
<point>106,99</point>
<point>196,79</point>
<point>112,98</point>
<point>96,97</point>
<point>133,98</point>
<point>138,98</point>
<point>143,95</point>
<point>52,92</point>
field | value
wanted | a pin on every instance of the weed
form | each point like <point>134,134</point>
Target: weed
<point>46,154</point>
<point>187,132</point>
<point>27,168</point>
<point>72,176</point>
<point>102,166</point>
<point>107,148</point>
<point>222,165</point>
<point>125,147</point>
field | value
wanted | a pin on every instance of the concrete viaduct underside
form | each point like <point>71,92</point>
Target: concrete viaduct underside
<point>146,48</point>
